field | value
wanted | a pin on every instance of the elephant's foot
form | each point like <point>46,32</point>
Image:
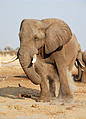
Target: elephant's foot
<point>65,95</point>
<point>65,99</point>
<point>45,93</point>
<point>62,101</point>
<point>43,99</point>
<point>46,98</point>
<point>52,95</point>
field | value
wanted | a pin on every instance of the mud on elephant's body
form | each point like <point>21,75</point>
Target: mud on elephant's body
<point>58,44</point>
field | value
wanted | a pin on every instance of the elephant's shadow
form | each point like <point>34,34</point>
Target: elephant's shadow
<point>13,92</point>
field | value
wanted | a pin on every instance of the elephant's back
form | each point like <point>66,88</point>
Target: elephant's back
<point>53,20</point>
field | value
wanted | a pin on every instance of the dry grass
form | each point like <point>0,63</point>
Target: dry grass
<point>10,53</point>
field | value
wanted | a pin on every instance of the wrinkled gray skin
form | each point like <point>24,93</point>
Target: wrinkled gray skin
<point>81,76</point>
<point>49,76</point>
<point>52,35</point>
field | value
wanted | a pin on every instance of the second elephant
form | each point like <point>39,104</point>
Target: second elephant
<point>81,66</point>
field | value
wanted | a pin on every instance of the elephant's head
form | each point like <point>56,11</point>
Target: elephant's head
<point>32,37</point>
<point>35,34</point>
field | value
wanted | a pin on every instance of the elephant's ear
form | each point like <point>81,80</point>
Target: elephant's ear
<point>57,35</point>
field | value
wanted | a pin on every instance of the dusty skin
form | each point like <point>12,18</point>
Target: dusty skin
<point>14,82</point>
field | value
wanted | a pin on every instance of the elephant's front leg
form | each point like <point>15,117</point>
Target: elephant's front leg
<point>41,69</point>
<point>45,94</point>
<point>52,87</point>
<point>64,90</point>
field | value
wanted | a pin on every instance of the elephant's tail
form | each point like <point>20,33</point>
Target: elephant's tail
<point>72,86</point>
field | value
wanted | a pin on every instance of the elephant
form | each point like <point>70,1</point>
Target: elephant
<point>60,49</point>
<point>81,66</point>
<point>84,69</point>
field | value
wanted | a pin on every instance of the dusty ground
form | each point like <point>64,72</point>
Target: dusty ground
<point>13,107</point>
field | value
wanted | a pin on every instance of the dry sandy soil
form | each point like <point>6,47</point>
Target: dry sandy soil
<point>13,82</point>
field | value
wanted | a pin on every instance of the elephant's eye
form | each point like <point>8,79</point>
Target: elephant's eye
<point>35,38</point>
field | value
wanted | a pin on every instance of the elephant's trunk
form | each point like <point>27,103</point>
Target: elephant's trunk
<point>26,63</point>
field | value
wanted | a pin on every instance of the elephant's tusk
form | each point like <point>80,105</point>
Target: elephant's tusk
<point>34,58</point>
<point>81,64</point>
<point>9,61</point>
<point>76,64</point>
